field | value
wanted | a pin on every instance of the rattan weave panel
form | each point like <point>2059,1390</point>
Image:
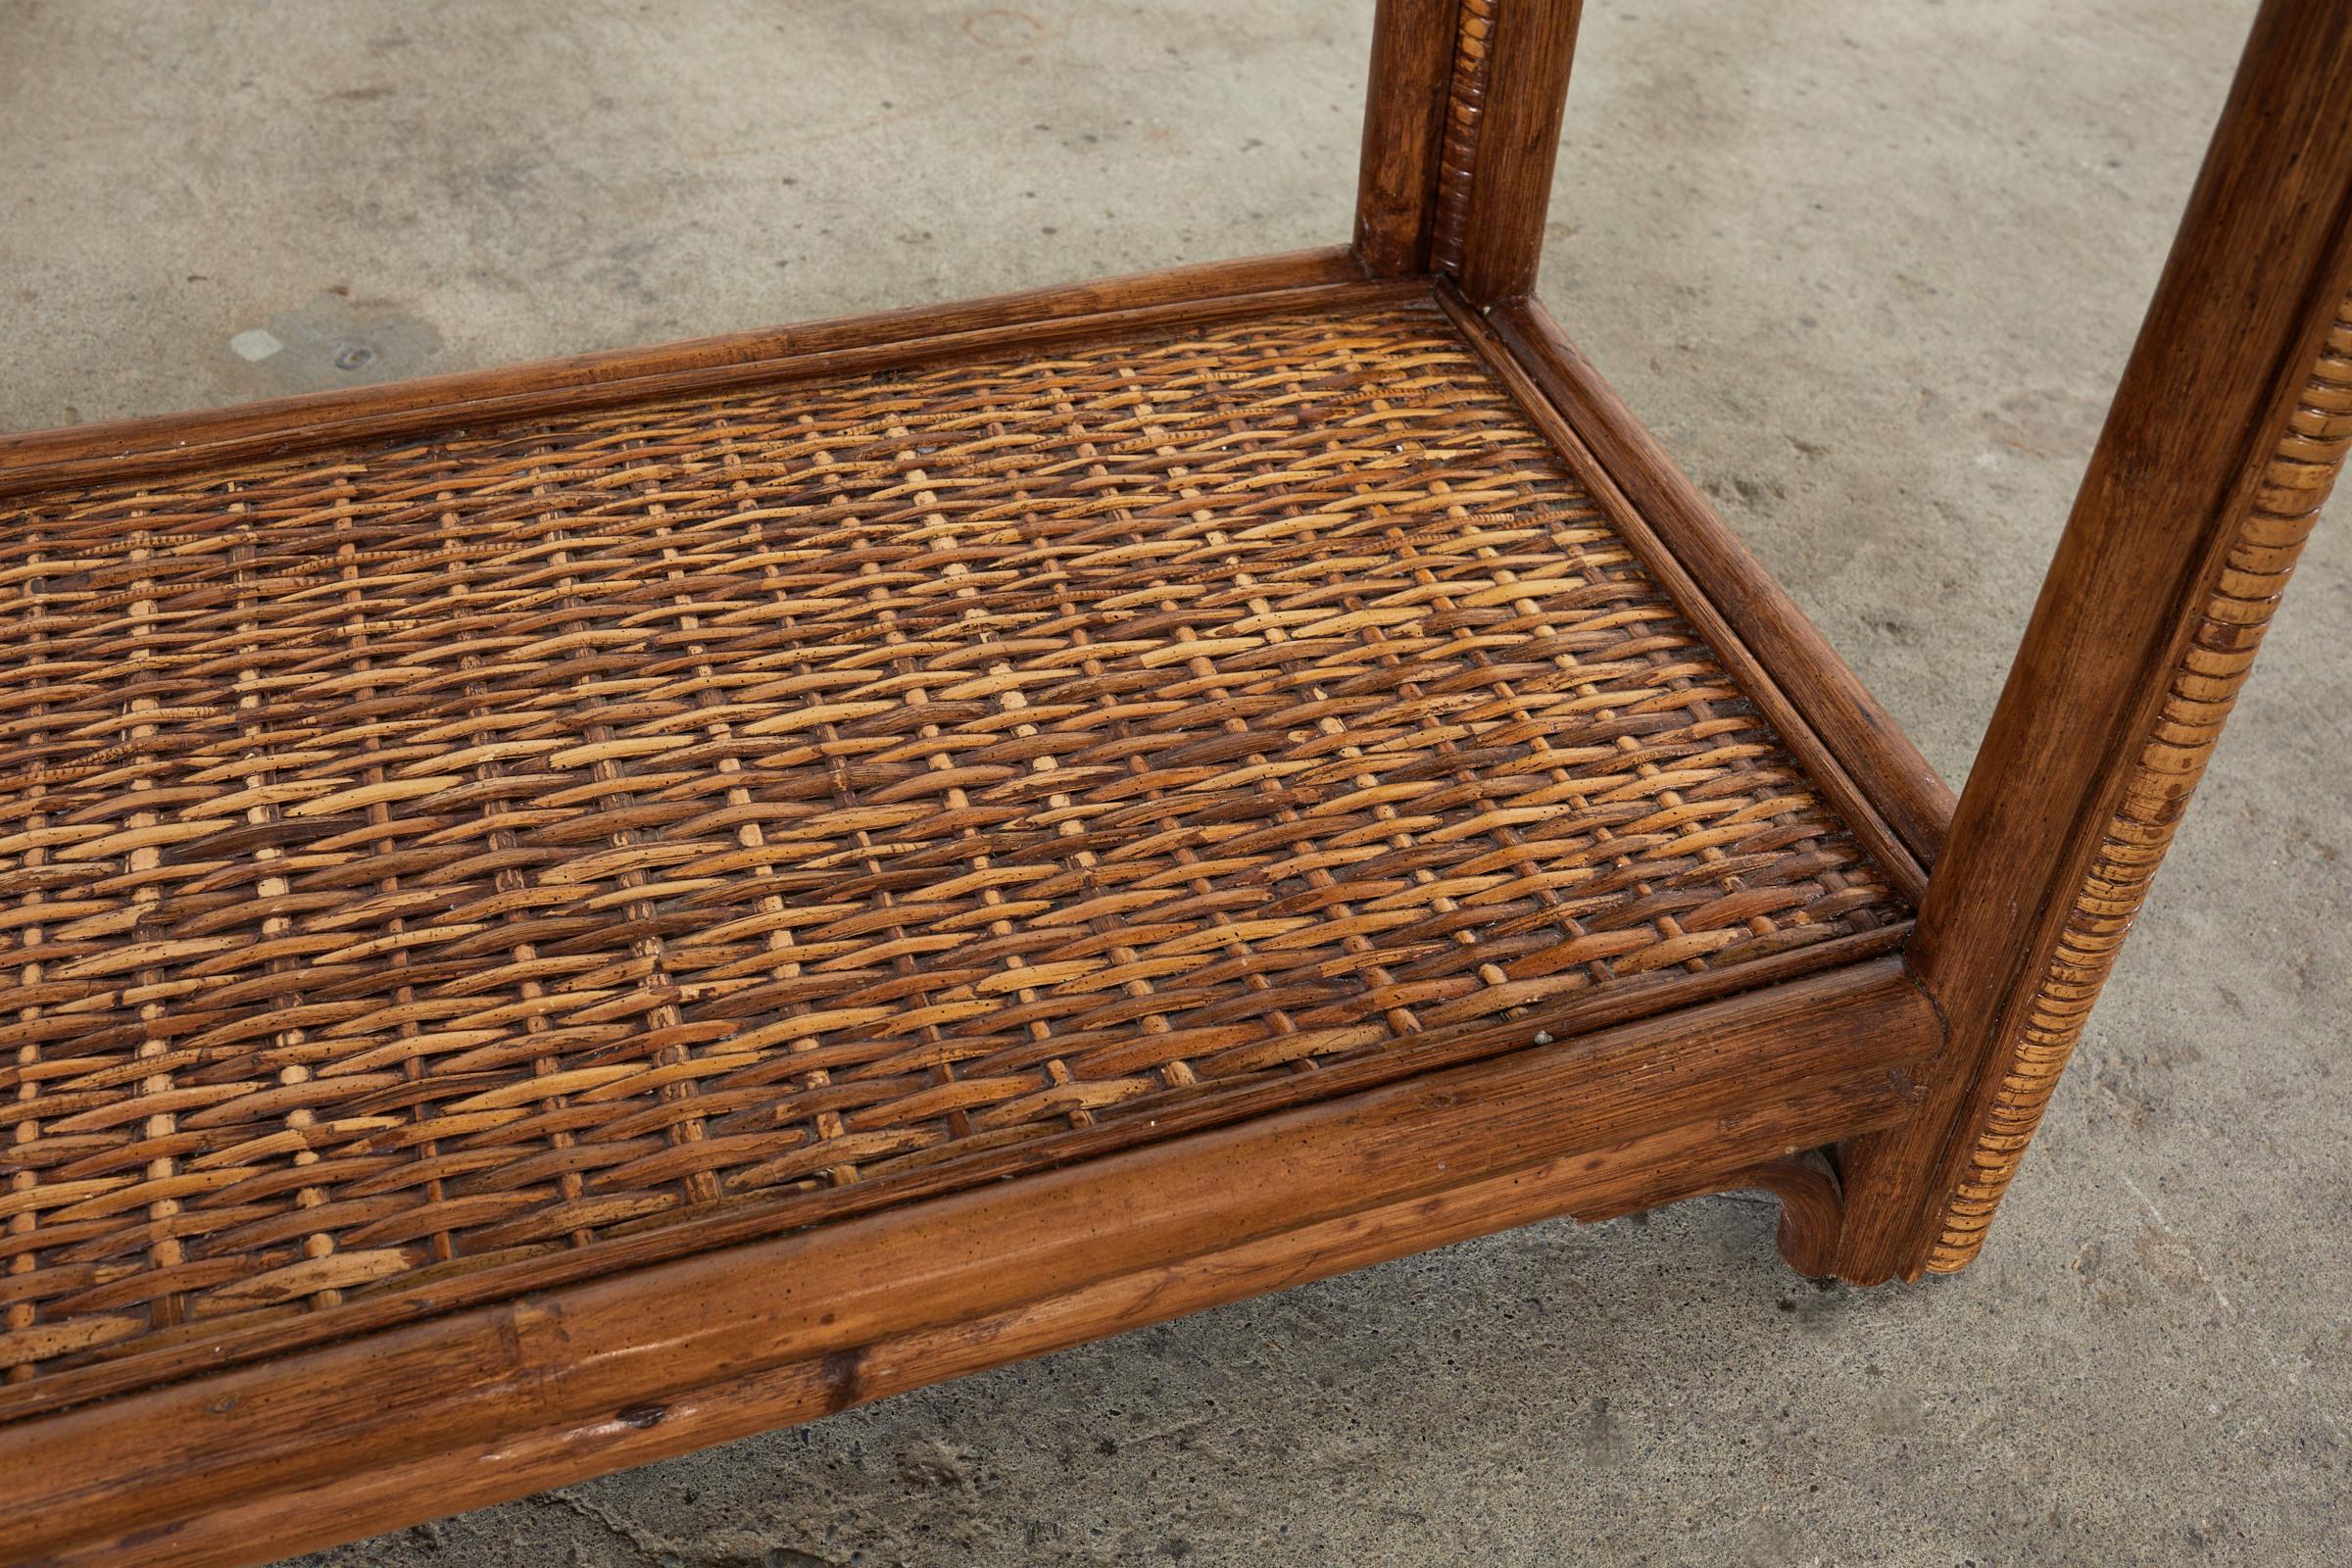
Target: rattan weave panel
<point>453,849</point>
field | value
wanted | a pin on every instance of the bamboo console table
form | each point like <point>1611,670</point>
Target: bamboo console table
<point>559,916</point>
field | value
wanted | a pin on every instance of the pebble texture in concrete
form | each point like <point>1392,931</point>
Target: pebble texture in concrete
<point>1869,269</point>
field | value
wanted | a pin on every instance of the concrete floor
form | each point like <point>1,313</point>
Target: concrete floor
<point>1869,269</point>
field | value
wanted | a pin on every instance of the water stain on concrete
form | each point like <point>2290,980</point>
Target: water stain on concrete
<point>335,339</point>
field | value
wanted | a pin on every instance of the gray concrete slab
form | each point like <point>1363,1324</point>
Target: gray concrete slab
<point>1870,268</point>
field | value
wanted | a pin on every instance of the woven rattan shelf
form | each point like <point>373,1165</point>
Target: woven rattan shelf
<point>467,848</point>
<point>559,915</point>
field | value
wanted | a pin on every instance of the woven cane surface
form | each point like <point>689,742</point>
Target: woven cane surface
<point>442,852</point>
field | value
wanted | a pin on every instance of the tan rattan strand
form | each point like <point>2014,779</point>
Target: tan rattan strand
<point>1457,150</point>
<point>459,849</point>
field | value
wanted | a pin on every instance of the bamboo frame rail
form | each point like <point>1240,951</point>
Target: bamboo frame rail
<point>658,1360</point>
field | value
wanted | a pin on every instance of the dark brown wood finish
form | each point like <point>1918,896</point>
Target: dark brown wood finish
<point>477,1475</point>
<point>1812,1209</point>
<point>1622,1120</point>
<point>1526,93</point>
<point>143,448</point>
<point>2246,303</point>
<point>1404,117</point>
<point>1865,740</point>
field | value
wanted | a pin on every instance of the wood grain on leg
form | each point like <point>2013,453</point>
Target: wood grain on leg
<point>2224,434</point>
<point>1502,140</point>
<point>1404,117</point>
